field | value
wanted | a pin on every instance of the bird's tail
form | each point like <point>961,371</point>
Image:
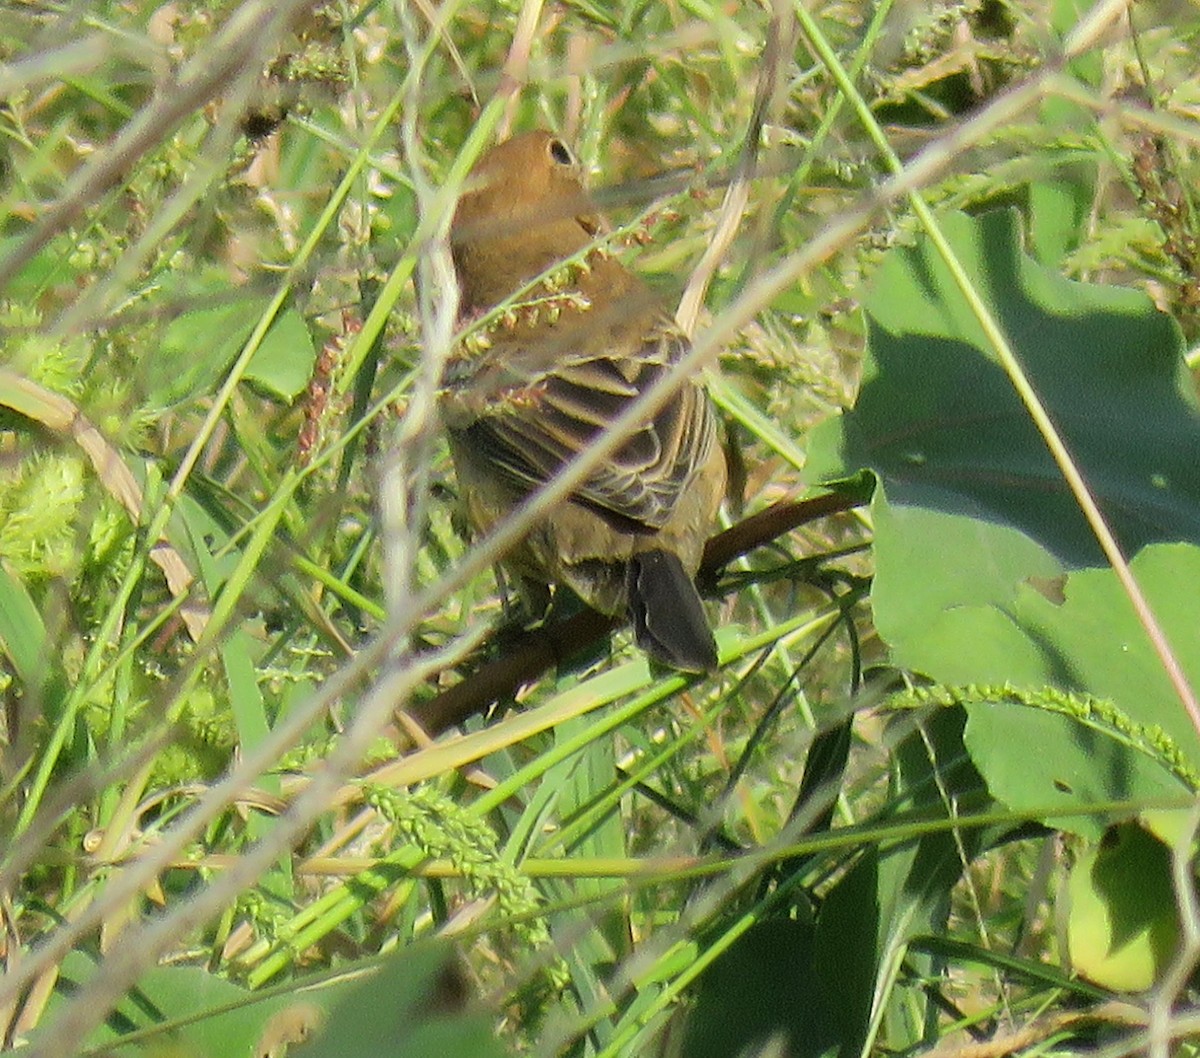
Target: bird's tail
<point>668,617</point>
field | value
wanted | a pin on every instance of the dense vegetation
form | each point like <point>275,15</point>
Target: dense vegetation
<point>267,718</point>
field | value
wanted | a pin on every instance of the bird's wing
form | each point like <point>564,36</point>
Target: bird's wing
<point>530,415</point>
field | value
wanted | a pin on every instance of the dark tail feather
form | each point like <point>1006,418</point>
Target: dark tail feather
<point>668,617</point>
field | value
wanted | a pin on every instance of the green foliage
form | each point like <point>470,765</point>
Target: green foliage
<point>403,1012</point>
<point>761,989</point>
<point>1124,928</point>
<point>442,830</point>
<point>41,498</point>
<point>943,427</point>
<point>231,589</point>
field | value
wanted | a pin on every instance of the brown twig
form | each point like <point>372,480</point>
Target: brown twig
<point>772,523</point>
<point>535,651</point>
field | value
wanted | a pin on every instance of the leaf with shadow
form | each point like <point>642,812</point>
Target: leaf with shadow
<point>940,423</point>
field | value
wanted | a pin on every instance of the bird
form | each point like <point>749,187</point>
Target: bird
<point>538,385</point>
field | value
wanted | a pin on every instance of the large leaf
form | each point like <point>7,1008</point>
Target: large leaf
<point>410,1008</point>
<point>1123,926</point>
<point>975,526</point>
<point>763,988</point>
<point>1035,761</point>
<point>283,363</point>
<point>187,1011</point>
<point>199,346</point>
<point>943,594</point>
<point>969,602</point>
<point>1094,639</point>
<point>941,424</point>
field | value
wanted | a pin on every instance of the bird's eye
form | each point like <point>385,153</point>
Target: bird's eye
<point>558,151</point>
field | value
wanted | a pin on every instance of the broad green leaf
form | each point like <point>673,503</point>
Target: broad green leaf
<point>408,1009</point>
<point>283,362</point>
<point>1034,760</point>
<point>941,424</point>
<point>1123,928</point>
<point>970,602</point>
<point>944,589</point>
<point>1095,641</point>
<point>196,350</point>
<point>762,988</point>
<point>187,1011</point>
<point>199,345</point>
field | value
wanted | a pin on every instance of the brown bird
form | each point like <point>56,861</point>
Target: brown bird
<point>540,386</point>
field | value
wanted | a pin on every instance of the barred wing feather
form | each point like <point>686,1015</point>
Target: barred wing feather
<point>532,426</point>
